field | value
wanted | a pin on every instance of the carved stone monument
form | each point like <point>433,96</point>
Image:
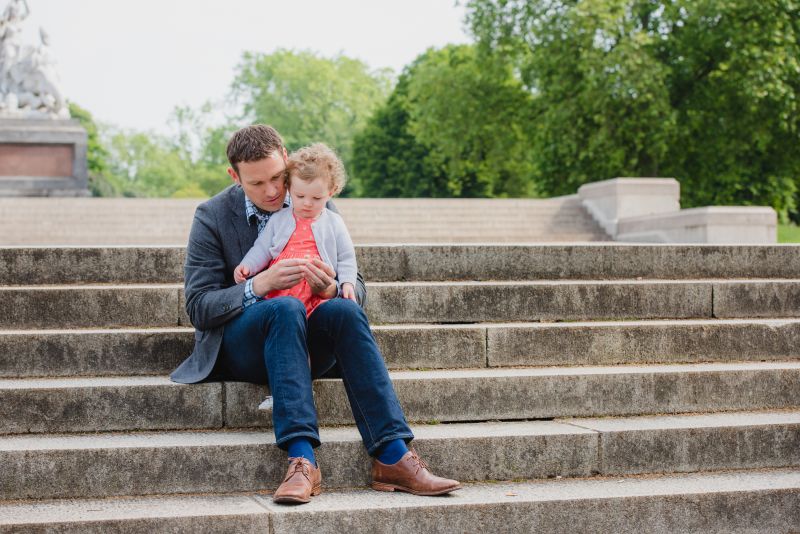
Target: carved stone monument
<point>42,151</point>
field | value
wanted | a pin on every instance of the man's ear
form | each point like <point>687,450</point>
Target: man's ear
<point>234,176</point>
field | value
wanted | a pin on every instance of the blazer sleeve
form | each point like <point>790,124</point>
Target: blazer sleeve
<point>211,300</point>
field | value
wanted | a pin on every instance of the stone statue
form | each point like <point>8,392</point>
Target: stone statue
<point>28,79</point>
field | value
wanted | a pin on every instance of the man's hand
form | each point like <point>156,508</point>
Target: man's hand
<point>321,278</point>
<point>281,275</point>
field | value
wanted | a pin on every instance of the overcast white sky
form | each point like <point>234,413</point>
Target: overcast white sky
<point>130,62</point>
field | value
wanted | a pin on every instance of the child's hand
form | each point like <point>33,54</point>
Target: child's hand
<point>240,274</point>
<point>348,291</point>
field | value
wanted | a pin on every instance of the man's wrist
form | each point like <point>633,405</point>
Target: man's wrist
<point>260,286</point>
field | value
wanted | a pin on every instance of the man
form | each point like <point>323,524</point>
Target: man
<point>240,335</point>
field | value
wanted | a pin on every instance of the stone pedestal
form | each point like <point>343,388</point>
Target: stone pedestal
<point>42,158</point>
<point>647,210</point>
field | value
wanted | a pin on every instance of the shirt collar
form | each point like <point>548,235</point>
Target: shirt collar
<point>254,213</point>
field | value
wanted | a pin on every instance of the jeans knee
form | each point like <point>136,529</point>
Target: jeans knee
<point>345,307</point>
<point>288,306</point>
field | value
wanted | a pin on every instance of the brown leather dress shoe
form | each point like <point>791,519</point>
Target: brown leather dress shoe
<point>410,474</point>
<point>303,480</point>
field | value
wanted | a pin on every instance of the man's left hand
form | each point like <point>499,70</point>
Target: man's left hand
<point>321,278</point>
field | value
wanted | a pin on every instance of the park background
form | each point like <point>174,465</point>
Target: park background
<point>533,99</point>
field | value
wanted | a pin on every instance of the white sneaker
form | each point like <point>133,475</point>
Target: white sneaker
<point>266,404</point>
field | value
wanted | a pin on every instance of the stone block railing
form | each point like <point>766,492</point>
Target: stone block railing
<point>647,210</point>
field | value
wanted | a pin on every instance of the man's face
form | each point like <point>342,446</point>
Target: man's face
<point>263,181</point>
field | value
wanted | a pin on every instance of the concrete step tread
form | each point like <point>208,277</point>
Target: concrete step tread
<point>480,494</point>
<point>583,282</point>
<point>425,283</point>
<point>780,321</point>
<point>713,367</point>
<point>450,431</point>
<point>434,374</point>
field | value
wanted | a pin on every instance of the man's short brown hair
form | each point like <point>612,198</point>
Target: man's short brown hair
<point>253,143</point>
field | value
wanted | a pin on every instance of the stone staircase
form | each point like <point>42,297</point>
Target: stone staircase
<point>612,388</point>
<point>138,221</point>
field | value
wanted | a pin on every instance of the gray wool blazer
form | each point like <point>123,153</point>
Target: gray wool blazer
<point>219,239</point>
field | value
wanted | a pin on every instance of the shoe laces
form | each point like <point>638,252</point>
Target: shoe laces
<point>299,467</point>
<point>418,462</point>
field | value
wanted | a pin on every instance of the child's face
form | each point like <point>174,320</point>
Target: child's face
<point>309,198</point>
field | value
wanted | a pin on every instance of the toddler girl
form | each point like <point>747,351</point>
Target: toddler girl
<point>307,229</point>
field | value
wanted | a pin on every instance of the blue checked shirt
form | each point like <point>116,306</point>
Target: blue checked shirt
<point>256,216</point>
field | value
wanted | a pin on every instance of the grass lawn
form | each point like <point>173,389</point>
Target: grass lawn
<point>788,233</point>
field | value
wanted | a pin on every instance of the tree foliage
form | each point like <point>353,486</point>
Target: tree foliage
<point>452,127</point>
<point>100,181</point>
<point>310,98</point>
<point>705,91</point>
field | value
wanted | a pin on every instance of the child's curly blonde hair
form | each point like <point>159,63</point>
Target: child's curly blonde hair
<point>317,161</point>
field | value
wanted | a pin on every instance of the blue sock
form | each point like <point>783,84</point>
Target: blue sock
<point>391,452</point>
<point>300,447</point>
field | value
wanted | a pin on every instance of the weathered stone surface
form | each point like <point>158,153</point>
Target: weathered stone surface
<point>95,265</point>
<point>452,302</point>
<point>188,462</point>
<point>34,353</point>
<point>157,351</point>
<point>433,347</point>
<point>92,404</point>
<point>86,306</point>
<point>594,343</point>
<point>466,302</point>
<point>138,464</point>
<point>700,504</point>
<point>389,263</point>
<point>146,463</point>
<point>706,503</point>
<point>696,442</point>
<point>217,514</point>
<point>509,394</point>
<point>757,298</point>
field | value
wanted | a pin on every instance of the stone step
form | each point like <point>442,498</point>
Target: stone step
<point>111,306</point>
<point>471,302</point>
<point>476,237</point>
<point>157,351</point>
<point>137,403</point>
<point>82,466</point>
<point>167,221</point>
<point>389,263</point>
<point>765,501</point>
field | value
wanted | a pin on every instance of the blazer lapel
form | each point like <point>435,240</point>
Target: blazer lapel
<point>246,233</point>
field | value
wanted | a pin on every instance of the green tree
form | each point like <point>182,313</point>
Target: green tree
<point>702,90</point>
<point>310,98</point>
<point>474,118</point>
<point>388,159</point>
<point>452,127</point>
<point>101,182</point>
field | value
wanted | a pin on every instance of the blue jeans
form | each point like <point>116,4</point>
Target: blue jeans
<point>270,343</point>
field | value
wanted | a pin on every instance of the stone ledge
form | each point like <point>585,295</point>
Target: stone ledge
<point>648,210</point>
<point>703,502</point>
